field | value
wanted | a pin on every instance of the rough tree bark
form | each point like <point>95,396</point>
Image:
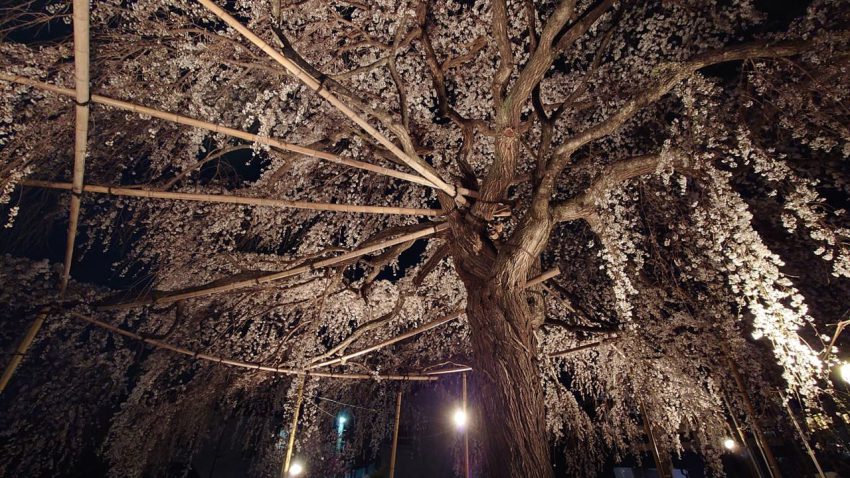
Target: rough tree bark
<point>507,380</point>
<point>502,317</point>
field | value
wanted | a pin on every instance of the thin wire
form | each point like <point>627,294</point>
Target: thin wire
<point>345,404</point>
<point>320,409</point>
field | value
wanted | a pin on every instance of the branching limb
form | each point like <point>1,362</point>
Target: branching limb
<point>675,74</point>
<point>583,205</point>
<point>500,27</point>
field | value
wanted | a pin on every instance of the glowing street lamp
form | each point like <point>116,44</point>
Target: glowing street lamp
<point>844,372</point>
<point>730,444</point>
<point>459,418</point>
<point>296,469</point>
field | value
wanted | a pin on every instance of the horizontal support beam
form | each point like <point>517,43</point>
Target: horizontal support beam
<point>591,345</point>
<point>246,365</point>
<point>543,277</point>
<point>230,199</point>
<point>295,271</point>
<point>216,128</point>
<point>447,371</point>
<point>410,333</point>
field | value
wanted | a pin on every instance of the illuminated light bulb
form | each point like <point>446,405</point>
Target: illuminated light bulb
<point>844,372</point>
<point>729,444</point>
<point>459,418</point>
<point>296,469</point>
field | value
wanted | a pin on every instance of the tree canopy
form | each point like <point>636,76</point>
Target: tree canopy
<point>676,170</point>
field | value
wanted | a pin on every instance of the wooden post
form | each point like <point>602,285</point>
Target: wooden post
<point>754,466</point>
<point>663,471</point>
<point>465,432</point>
<point>802,436</point>
<point>761,441</point>
<point>285,470</point>
<point>395,433</point>
<point>81,127</point>
<point>22,349</point>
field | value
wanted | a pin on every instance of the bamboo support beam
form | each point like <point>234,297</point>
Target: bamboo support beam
<point>395,433</point>
<point>22,349</point>
<point>81,128</point>
<point>579,348</point>
<point>410,333</point>
<point>204,291</point>
<point>316,85</point>
<point>186,121</point>
<point>543,277</point>
<point>248,365</point>
<point>284,471</point>
<point>447,371</point>
<point>230,199</point>
<point>423,328</point>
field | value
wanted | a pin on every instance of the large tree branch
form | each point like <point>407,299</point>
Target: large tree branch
<point>500,27</point>
<point>674,75</point>
<point>500,175</point>
<point>583,206</point>
<point>555,38</point>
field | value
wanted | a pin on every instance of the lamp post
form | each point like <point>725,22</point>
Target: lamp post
<point>465,432</point>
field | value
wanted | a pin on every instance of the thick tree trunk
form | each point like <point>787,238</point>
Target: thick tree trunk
<point>507,382</point>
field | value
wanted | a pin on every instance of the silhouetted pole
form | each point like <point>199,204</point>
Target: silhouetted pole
<point>465,432</point>
<point>285,470</point>
<point>802,436</point>
<point>741,436</point>
<point>395,433</point>
<point>663,470</point>
<point>22,349</point>
<point>761,441</point>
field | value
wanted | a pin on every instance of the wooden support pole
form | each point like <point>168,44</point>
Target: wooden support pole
<point>543,277</point>
<point>663,470</point>
<point>22,349</point>
<point>761,440</point>
<point>395,433</point>
<point>802,436</point>
<point>235,133</point>
<point>81,128</point>
<point>295,412</point>
<point>465,431</point>
<point>230,199</point>
<point>249,365</point>
<point>295,271</point>
<point>410,333</point>
<point>316,85</point>
<point>751,458</point>
<point>594,344</point>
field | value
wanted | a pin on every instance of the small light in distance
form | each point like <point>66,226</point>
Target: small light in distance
<point>459,418</point>
<point>296,469</point>
<point>730,444</point>
<point>342,420</point>
<point>844,372</point>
